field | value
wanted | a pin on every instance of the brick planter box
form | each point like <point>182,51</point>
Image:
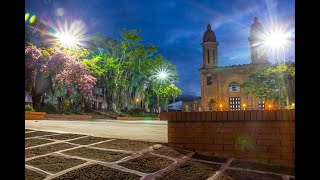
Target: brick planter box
<point>30,115</point>
<point>263,136</point>
<point>137,118</point>
<point>68,117</point>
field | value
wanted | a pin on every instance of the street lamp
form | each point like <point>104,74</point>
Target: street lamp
<point>162,75</point>
<point>137,100</point>
<point>220,107</point>
<point>244,106</point>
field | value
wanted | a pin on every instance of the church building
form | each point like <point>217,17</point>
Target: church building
<point>220,85</point>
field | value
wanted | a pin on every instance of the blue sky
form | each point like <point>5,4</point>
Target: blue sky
<point>177,27</point>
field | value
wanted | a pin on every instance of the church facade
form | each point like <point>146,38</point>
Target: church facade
<point>220,88</point>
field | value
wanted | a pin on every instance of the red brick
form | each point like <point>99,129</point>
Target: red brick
<point>175,145</point>
<point>179,116</point>
<point>272,114</point>
<point>256,124</point>
<point>214,124</point>
<point>233,124</point>
<point>253,115</point>
<point>224,115</point>
<point>193,124</point>
<point>284,149</point>
<point>208,116</point>
<point>268,142</point>
<point>213,115</point>
<point>241,115</point>
<point>192,116</point>
<point>214,135</point>
<point>175,124</point>
<point>259,115</point>
<point>198,116</point>
<point>288,156</point>
<point>279,124</point>
<point>223,141</point>
<point>287,143</point>
<point>171,129</point>
<point>200,129</point>
<point>219,115</point>
<point>231,115</point>
<point>267,130</point>
<point>194,146</point>
<point>204,140</point>
<point>212,147</point>
<point>287,130</point>
<point>183,116</point>
<point>279,115</point>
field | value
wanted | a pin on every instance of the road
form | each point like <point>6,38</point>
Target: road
<point>146,130</point>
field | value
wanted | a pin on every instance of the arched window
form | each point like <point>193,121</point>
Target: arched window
<point>209,80</point>
<point>233,87</point>
<point>208,57</point>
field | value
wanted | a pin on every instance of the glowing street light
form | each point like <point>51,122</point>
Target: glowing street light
<point>220,107</point>
<point>244,106</point>
<point>67,40</point>
<point>270,106</point>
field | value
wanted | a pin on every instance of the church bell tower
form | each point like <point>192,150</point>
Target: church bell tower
<point>210,48</point>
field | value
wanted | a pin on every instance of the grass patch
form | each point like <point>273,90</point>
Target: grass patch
<point>147,163</point>
<point>37,133</point>
<point>46,149</point>
<point>54,164</point>
<point>97,171</point>
<point>245,175</point>
<point>64,136</point>
<point>88,140</point>
<point>263,167</point>
<point>32,175</point>
<point>175,153</point>
<point>124,144</point>
<point>209,158</point>
<point>191,170</point>
<point>35,142</point>
<point>96,154</point>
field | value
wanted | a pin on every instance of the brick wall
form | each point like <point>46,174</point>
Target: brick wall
<point>264,136</point>
<point>71,117</point>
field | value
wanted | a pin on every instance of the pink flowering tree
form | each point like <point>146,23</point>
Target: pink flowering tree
<point>35,83</point>
<point>69,79</point>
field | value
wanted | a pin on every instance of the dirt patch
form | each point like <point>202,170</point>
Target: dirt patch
<point>54,164</point>
<point>32,175</point>
<point>64,136</point>
<point>88,140</point>
<point>209,158</point>
<point>124,144</point>
<point>46,149</point>
<point>97,172</point>
<point>37,133</point>
<point>191,170</point>
<point>27,130</point>
<point>35,142</point>
<point>147,163</point>
<point>175,153</point>
<point>245,175</point>
<point>96,154</point>
<point>263,167</point>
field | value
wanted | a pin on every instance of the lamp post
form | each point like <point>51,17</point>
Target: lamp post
<point>161,75</point>
<point>220,107</point>
<point>244,106</point>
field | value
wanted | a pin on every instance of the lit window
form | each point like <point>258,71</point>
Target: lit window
<point>234,87</point>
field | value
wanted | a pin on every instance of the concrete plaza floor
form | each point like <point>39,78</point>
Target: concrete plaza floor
<point>146,130</point>
<point>56,155</point>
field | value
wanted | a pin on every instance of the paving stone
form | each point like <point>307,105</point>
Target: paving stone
<point>46,149</point>
<point>33,175</point>
<point>35,142</point>
<point>88,140</point>
<point>124,144</point>
<point>245,175</point>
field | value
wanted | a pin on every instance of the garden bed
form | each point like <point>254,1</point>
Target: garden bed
<point>54,163</point>
<point>175,153</point>
<point>97,171</point>
<point>96,154</point>
<point>37,133</point>
<point>68,117</point>
<point>245,175</point>
<point>124,144</point>
<point>263,167</point>
<point>88,140</point>
<point>209,158</point>
<point>191,170</point>
<point>33,175</point>
<point>46,149</point>
<point>30,115</point>
<point>35,142</point>
<point>137,118</point>
<point>147,163</point>
<point>64,136</point>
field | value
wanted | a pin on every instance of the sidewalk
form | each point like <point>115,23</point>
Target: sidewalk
<point>146,130</point>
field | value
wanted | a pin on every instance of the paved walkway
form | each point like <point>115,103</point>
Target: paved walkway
<point>146,130</point>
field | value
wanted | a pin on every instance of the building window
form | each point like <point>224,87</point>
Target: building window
<point>234,104</point>
<point>213,55</point>
<point>209,80</point>
<point>234,87</point>
<point>208,57</point>
<point>261,105</point>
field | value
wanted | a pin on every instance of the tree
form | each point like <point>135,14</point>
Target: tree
<point>275,83</point>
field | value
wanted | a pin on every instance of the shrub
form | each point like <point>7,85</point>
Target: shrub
<point>28,107</point>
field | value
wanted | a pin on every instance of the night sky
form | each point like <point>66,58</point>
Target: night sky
<point>177,27</point>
